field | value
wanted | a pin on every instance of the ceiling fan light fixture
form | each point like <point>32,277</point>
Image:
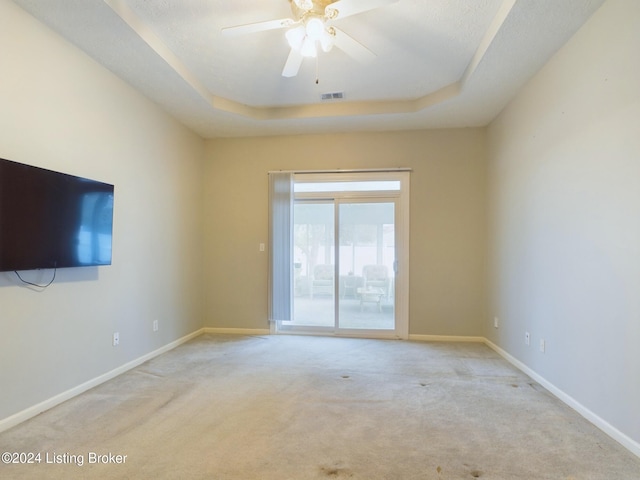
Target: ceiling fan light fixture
<point>315,28</point>
<point>308,48</point>
<point>295,37</point>
<point>308,34</point>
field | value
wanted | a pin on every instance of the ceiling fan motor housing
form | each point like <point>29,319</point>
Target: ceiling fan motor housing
<point>317,8</point>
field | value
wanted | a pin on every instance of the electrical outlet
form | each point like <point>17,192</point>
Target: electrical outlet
<point>155,325</point>
<point>496,322</point>
<point>527,338</point>
<point>542,345</point>
<point>116,339</point>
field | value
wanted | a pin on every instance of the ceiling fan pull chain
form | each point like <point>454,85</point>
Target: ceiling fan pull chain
<point>317,68</point>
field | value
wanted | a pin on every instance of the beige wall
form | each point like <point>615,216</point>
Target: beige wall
<point>62,111</point>
<point>564,189</point>
<point>447,223</point>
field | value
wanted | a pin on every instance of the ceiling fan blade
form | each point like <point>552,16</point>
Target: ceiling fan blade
<point>258,27</point>
<point>294,60</point>
<point>346,8</point>
<point>352,47</point>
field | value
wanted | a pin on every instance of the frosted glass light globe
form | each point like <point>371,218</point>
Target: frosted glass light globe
<point>315,29</point>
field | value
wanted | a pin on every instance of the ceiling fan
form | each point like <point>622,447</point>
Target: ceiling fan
<point>310,27</point>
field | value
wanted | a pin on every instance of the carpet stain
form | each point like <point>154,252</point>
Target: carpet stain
<point>336,472</point>
<point>345,376</point>
<point>439,469</point>
<point>537,387</point>
<point>167,401</point>
<point>476,474</point>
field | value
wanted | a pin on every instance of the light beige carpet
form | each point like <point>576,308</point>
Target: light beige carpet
<point>290,407</point>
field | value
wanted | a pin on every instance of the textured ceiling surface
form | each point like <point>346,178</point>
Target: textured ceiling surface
<point>438,63</point>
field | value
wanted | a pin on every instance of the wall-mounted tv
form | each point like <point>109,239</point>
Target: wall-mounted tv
<point>52,220</point>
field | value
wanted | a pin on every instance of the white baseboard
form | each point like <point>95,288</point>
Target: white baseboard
<point>37,409</point>
<point>606,427</point>
<point>445,338</point>
<point>237,331</point>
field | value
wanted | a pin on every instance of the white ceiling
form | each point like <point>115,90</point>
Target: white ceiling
<point>439,63</point>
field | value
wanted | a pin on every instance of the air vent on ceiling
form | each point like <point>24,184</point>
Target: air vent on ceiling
<point>332,96</point>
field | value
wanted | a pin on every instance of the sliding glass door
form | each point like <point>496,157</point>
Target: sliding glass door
<point>314,264</point>
<point>346,252</point>
<point>366,265</point>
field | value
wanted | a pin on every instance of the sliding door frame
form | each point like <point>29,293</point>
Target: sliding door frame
<point>401,198</point>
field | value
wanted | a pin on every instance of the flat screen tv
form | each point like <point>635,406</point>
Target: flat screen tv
<point>52,220</point>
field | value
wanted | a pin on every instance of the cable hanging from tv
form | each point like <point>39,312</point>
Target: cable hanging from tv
<point>36,284</point>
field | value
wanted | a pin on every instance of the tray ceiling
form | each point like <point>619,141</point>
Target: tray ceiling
<point>439,63</point>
